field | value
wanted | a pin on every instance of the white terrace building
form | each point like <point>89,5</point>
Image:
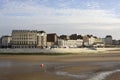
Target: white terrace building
<point>28,39</point>
<point>70,43</point>
<point>92,40</point>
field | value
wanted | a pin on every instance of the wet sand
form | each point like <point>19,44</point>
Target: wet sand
<point>114,76</point>
<point>62,67</point>
<point>64,58</point>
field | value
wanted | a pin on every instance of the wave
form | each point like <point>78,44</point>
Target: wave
<point>98,76</point>
<point>71,75</point>
<point>103,75</point>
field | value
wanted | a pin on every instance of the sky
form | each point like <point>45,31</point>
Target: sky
<point>97,17</point>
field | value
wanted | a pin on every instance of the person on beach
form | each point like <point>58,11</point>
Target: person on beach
<point>43,68</point>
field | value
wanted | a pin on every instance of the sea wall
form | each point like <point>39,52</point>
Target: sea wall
<point>56,50</point>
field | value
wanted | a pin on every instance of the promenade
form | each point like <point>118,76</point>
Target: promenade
<point>59,50</point>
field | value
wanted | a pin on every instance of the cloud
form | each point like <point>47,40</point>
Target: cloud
<point>93,5</point>
<point>36,14</point>
<point>29,14</point>
<point>63,15</point>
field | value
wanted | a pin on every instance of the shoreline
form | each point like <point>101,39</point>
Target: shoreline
<point>113,76</point>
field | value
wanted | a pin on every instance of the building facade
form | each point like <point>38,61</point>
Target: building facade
<point>92,40</point>
<point>99,42</point>
<point>28,39</point>
<point>52,39</point>
<point>86,40</point>
<point>89,40</point>
<point>6,41</point>
<point>70,43</point>
<point>115,42</point>
<point>108,40</point>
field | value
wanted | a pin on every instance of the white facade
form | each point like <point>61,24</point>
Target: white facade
<point>28,39</point>
<point>42,39</point>
<point>92,40</point>
<point>70,43</point>
<point>100,40</point>
<point>89,40</point>
<point>86,40</point>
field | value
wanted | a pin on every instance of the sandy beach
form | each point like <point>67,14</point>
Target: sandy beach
<point>59,67</point>
<point>114,76</point>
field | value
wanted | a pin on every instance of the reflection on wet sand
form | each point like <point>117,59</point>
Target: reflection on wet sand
<point>79,70</point>
<point>19,69</point>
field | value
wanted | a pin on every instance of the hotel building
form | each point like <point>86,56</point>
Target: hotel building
<point>28,39</point>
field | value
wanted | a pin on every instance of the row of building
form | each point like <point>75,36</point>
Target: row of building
<point>40,39</point>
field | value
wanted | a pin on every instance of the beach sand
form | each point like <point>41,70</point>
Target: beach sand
<point>36,76</point>
<point>65,58</point>
<point>59,67</point>
<point>114,76</point>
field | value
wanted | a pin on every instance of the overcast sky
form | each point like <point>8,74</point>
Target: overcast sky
<point>97,17</point>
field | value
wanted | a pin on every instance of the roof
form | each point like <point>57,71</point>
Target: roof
<point>6,36</point>
<point>24,30</point>
<point>108,36</point>
<point>41,31</point>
